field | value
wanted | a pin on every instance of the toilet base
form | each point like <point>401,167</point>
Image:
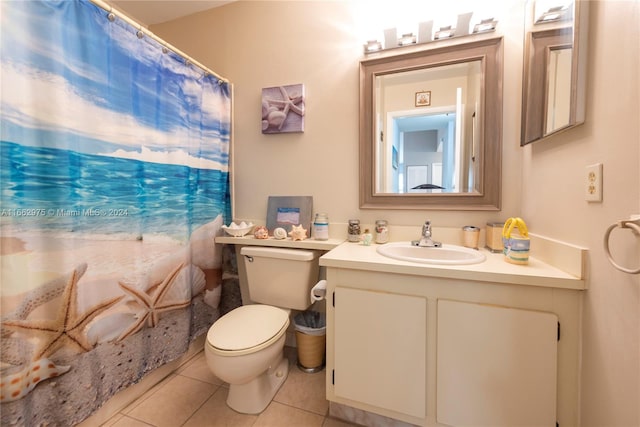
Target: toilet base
<point>253,397</point>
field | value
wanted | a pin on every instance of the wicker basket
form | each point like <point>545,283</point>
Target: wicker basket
<point>310,351</point>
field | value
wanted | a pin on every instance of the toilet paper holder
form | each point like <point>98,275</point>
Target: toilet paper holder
<point>318,291</point>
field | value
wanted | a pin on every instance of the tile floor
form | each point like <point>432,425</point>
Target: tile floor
<point>193,397</point>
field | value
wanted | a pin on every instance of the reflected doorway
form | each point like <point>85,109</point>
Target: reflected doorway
<point>424,151</point>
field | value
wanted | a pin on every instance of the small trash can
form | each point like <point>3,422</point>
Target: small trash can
<point>311,335</point>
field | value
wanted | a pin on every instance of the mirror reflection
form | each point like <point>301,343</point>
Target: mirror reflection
<point>554,68</point>
<point>426,127</point>
<point>558,88</point>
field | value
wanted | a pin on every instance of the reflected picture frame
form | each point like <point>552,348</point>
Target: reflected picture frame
<point>423,99</point>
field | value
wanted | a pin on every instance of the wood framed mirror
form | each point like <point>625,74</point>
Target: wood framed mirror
<point>431,128</point>
<point>554,80</point>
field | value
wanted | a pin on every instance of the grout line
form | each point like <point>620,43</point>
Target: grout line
<point>201,405</point>
<point>202,381</point>
<point>138,420</point>
<point>153,390</point>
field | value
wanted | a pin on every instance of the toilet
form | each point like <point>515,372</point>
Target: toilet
<point>245,346</point>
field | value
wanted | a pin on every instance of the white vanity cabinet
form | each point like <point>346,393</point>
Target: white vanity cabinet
<point>496,366</point>
<point>434,348</point>
<point>380,349</point>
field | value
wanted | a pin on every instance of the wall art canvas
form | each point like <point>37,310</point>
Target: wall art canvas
<point>283,109</point>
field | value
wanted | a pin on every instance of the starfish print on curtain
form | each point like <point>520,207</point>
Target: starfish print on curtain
<point>67,329</point>
<point>152,305</point>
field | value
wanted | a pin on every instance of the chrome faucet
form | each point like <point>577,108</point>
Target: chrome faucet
<point>425,238</point>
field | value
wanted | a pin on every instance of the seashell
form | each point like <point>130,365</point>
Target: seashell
<point>261,232</point>
<point>109,327</point>
<point>212,297</point>
<point>280,233</point>
<point>238,230</point>
<point>180,290</point>
<point>198,280</point>
<point>201,252</point>
<point>298,233</point>
<point>275,118</point>
<point>18,385</point>
<point>204,253</point>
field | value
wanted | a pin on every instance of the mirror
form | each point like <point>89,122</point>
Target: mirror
<point>431,128</point>
<point>553,96</point>
<point>429,145</point>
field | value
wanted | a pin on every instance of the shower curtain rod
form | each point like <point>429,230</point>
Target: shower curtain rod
<point>109,8</point>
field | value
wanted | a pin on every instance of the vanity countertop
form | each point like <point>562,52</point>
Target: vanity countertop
<point>537,273</point>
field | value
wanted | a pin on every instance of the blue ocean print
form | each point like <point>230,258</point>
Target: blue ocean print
<point>82,151</point>
<point>64,191</point>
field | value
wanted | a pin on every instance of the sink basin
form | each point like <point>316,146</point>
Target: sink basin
<point>446,254</point>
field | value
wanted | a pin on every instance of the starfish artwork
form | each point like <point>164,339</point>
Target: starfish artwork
<point>67,329</point>
<point>152,305</point>
<point>277,103</point>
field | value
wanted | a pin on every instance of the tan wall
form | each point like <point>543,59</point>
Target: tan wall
<point>270,43</point>
<point>553,201</point>
<point>260,44</point>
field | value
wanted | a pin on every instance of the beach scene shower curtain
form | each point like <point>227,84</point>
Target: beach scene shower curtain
<point>114,182</point>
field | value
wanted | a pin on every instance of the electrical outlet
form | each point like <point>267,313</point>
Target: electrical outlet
<point>593,184</point>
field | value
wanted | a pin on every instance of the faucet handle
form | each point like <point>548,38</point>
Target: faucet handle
<point>426,229</point>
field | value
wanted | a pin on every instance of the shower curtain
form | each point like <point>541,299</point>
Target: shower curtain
<point>114,181</point>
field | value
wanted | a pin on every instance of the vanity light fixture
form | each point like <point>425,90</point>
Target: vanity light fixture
<point>407,39</point>
<point>372,46</point>
<point>462,25</point>
<point>425,33</point>
<point>485,25</point>
<point>444,33</point>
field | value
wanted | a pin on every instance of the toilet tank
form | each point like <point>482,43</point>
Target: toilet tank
<point>281,277</point>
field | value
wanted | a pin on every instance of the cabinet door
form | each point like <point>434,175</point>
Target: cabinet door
<point>495,366</point>
<point>380,349</point>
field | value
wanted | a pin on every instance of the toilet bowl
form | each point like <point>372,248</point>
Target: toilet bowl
<point>244,349</point>
<point>245,346</point>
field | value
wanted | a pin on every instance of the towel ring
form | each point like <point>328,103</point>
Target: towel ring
<point>622,224</point>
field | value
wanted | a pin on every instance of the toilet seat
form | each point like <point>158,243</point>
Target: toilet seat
<point>247,329</point>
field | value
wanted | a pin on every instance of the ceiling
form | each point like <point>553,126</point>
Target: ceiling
<point>149,12</point>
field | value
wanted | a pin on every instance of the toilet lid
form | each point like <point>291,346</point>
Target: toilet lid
<point>247,326</point>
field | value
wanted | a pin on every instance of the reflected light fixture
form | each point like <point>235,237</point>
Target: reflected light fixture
<point>553,14</point>
<point>406,39</point>
<point>485,25</point>
<point>372,46</point>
